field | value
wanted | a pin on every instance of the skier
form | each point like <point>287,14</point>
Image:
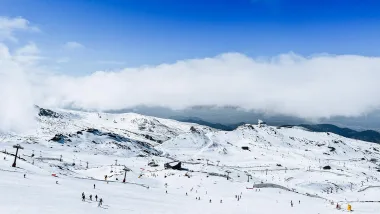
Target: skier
<point>166,192</point>
<point>101,201</point>
<point>210,200</point>
<point>186,194</point>
<point>291,203</point>
<point>90,197</point>
<point>220,201</point>
<point>24,175</point>
<point>299,201</point>
<point>96,197</point>
<point>94,186</point>
<point>83,197</point>
<point>56,182</point>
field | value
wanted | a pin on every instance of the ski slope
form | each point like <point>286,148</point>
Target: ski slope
<point>282,165</point>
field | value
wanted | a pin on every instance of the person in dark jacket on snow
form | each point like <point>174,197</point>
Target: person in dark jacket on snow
<point>96,197</point>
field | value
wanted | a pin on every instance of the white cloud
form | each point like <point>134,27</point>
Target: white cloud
<point>309,87</point>
<point>73,45</point>
<point>289,84</point>
<point>30,49</point>
<point>29,54</point>
<point>9,25</point>
<point>16,91</point>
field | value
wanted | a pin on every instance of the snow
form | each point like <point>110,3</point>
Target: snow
<point>277,159</point>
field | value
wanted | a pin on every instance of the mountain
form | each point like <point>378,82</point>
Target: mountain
<point>234,115</point>
<point>367,135</point>
<point>199,121</point>
<point>171,166</point>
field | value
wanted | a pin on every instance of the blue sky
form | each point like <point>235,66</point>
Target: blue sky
<point>129,33</point>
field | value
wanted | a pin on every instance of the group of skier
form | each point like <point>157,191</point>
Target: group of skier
<point>291,203</point>
<point>238,197</point>
<point>90,197</point>
<point>199,198</point>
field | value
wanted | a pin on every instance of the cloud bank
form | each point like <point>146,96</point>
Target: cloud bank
<point>16,91</point>
<point>288,84</point>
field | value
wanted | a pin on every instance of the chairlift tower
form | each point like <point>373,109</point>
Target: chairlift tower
<point>125,173</point>
<point>17,147</point>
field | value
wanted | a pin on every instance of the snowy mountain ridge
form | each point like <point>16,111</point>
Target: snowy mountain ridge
<point>87,146</point>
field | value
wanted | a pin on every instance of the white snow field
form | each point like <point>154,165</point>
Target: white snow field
<point>283,164</point>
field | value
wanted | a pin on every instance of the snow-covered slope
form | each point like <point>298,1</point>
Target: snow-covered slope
<point>286,164</point>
